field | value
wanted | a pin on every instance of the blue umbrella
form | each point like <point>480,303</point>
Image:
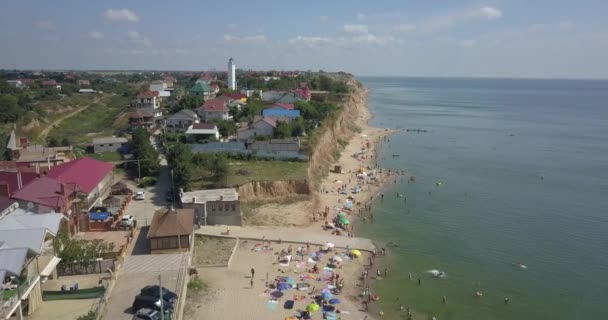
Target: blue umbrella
<point>334,301</point>
<point>283,286</point>
<point>327,295</point>
<point>290,280</point>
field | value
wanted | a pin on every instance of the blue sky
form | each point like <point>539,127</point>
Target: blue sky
<point>500,38</point>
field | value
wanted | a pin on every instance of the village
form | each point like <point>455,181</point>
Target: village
<point>103,224</point>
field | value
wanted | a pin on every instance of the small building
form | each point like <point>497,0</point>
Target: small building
<point>141,118</point>
<point>15,83</point>
<point>202,131</point>
<point>87,91</point>
<point>171,230</point>
<point>214,110</point>
<point>260,126</point>
<point>51,84</point>
<point>202,89</point>
<point>290,97</point>
<point>84,83</point>
<point>272,96</point>
<point>281,113</point>
<point>109,144</point>
<point>214,206</point>
<point>148,100</point>
<point>180,121</point>
<point>91,177</point>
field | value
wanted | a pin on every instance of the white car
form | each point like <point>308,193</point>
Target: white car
<point>126,221</point>
<point>140,195</point>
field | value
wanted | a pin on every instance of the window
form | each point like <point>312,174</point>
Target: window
<point>213,207</point>
<point>233,207</point>
<point>109,145</point>
<point>101,145</point>
<point>226,207</point>
<point>220,207</point>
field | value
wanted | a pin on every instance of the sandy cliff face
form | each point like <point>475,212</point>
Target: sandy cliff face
<point>271,189</point>
<point>354,114</point>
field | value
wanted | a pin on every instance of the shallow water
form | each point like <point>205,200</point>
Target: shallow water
<point>523,166</point>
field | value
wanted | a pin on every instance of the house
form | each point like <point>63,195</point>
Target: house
<point>51,84</point>
<point>141,118</point>
<point>202,131</point>
<point>90,176</point>
<point>303,91</point>
<point>214,206</point>
<point>16,83</point>
<point>26,81</point>
<point>236,96</point>
<point>33,157</point>
<point>158,86</point>
<point>148,100</point>
<point>214,109</point>
<point>272,96</point>
<point>290,97</point>
<point>86,91</point>
<point>170,81</point>
<point>171,230</point>
<point>27,258</point>
<point>84,83</point>
<point>215,88</point>
<point>260,126</point>
<point>281,113</point>
<point>251,92</point>
<point>109,144</point>
<point>7,205</point>
<point>13,181</point>
<point>202,89</point>
<point>282,106</point>
<point>207,78</point>
<point>181,120</point>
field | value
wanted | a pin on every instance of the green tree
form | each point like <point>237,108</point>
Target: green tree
<point>226,128</point>
<point>181,160</point>
<point>9,108</point>
<point>145,153</point>
<point>65,142</point>
<point>53,142</point>
<point>283,130</point>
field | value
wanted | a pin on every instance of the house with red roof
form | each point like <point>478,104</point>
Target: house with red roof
<point>90,176</point>
<point>303,92</point>
<point>13,181</point>
<point>51,83</point>
<point>214,109</point>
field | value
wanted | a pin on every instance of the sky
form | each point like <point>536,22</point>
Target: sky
<point>496,38</point>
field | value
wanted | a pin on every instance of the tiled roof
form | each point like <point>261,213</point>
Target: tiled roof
<point>46,191</point>
<point>85,172</point>
<point>148,94</point>
<point>236,96</point>
<point>201,87</point>
<point>215,105</point>
<point>140,113</point>
<point>172,222</point>
<point>12,179</point>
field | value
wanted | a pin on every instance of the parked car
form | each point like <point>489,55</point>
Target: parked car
<point>126,221</point>
<point>150,314</point>
<point>140,195</point>
<point>154,291</point>
<point>142,301</point>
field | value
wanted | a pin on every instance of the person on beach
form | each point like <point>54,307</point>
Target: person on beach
<point>419,281</point>
<point>252,273</point>
<point>251,282</point>
<point>385,272</point>
<point>378,274</point>
<point>506,300</point>
<point>444,300</point>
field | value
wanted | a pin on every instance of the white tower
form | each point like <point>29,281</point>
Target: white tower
<point>231,74</point>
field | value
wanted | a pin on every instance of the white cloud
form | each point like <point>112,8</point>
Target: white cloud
<point>120,15</point>
<point>139,39</point>
<point>405,28</point>
<point>490,13</point>
<point>309,41</point>
<point>258,38</point>
<point>47,25</point>
<point>96,35</point>
<point>355,28</point>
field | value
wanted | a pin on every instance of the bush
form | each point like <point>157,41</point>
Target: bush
<point>89,316</point>
<point>196,284</point>
<point>146,182</point>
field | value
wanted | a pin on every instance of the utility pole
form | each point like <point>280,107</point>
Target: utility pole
<point>160,288</point>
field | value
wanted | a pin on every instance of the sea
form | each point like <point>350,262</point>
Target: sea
<point>510,197</point>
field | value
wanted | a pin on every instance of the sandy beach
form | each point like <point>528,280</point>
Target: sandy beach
<point>231,291</point>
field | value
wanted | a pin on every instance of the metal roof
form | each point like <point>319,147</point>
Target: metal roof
<point>23,219</point>
<point>11,261</point>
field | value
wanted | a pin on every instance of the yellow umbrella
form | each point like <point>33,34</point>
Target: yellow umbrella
<point>312,307</point>
<point>356,253</point>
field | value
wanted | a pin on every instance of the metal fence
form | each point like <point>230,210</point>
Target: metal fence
<point>82,268</point>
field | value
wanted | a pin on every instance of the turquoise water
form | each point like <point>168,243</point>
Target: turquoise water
<point>524,172</point>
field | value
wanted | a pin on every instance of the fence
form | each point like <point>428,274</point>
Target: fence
<point>92,267</point>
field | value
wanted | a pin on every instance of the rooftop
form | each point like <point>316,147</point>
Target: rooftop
<point>46,191</point>
<point>103,140</point>
<point>203,196</point>
<point>171,222</point>
<point>215,105</point>
<point>85,172</point>
<point>148,94</point>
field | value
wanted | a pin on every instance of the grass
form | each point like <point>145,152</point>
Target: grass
<point>88,293</point>
<point>212,250</point>
<point>197,285</point>
<point>99,119</point>
<point>242,171</point>
<point>106,156</point>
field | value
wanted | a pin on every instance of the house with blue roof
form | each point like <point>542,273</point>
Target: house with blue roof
<point>280,112</point>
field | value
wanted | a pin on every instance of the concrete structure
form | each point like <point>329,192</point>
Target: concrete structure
<point>231,74</point>
<point>141,118</point>
<point>171,231</point>
<point>16,83</point>
<point>202,131</point>
<point>84,83</point>
<point>148,100</point>
<point>275,145</point>
<point>36,157</point>
<point>180,121</point>
<point>87,91</point>
<point>109,144</point>
<point>215,206</point>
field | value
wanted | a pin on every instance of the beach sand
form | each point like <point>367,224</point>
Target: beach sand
<point>229,294</point>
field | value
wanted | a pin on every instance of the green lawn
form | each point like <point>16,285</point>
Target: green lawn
<point>106,156</point>
<point>99,119</point>
<point>241,171</point>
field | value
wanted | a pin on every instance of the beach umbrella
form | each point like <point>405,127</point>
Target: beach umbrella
<point>355,253</point>
<point>344,221</point>
<point>334,301</point>
<point>276,294</point>
<point>341,214</point>
<point>312,307</point>
<point>337,259</point>
<point>330,245</point>
<point>324,290</point>
<point>303,285</point>
<point>283,286</point>
<point>290,280</point>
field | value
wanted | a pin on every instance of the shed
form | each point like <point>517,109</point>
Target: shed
<point>171,230</point>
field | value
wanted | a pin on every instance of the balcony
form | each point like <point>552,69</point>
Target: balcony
<point>9,298</point>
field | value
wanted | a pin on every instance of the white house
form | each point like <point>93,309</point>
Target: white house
<point>181,120</point>
<point>214,109</point>
<point>260,126</point>
<point>148,100</point>
<point>201,131</point>
<point>15,83</point>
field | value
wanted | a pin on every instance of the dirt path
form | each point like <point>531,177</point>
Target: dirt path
<point>55,123</point>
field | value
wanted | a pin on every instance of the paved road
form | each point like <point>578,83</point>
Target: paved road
<point>288,235</point>
<point>143,210</point>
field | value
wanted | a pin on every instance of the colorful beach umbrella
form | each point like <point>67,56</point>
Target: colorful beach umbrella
<point>276,294</point>
<point>290,280</point>
<point>327,295</point>
<point>324,290</point>
<point>283,286</point>
<point>341,214</point>
<point>344,221</point>
<point>312,307</point>
<point>355,253</point>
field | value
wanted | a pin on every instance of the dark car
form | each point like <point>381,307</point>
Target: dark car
<point>154,291</point>
<point>143,301</point>
<point>150,314</point>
